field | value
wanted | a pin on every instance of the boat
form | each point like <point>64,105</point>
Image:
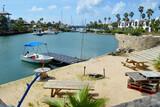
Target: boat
<point>38,32</point>
<point>50,32</point>
<point>35,57</point>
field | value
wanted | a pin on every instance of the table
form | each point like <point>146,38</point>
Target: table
<point>56,86</point>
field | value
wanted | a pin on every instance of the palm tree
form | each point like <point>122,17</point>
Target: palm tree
<point>81,99</point>
<point>105,19</point>
<point>99,21</point>
<point>126,16</point>
<point>109,18</point>
<point>143,16</point>
<point>149,13</point>
<point>131,14</point>
<point>141,8</point>
<point>118,17</point>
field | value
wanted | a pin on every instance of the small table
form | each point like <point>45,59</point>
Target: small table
<point>43,72</point>
<point>56,86</point>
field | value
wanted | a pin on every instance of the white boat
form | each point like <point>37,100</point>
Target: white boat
<point>50,32</point>
<point>35,57</point>
<point>38,32</point>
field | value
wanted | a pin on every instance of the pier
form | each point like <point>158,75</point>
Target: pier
<point>63,58</point>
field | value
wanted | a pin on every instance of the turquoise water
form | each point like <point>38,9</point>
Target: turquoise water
<point>11,47</point>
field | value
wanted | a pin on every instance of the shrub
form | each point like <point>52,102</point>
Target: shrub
<point>157,63</point>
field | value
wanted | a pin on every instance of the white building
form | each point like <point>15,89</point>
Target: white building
<point>135,24</point>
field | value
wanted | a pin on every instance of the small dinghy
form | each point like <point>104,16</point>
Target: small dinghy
<point>35,57</point>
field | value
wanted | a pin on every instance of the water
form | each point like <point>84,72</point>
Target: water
<point>11,47</point>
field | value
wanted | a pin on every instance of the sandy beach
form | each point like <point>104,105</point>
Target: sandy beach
<point>113,87</point>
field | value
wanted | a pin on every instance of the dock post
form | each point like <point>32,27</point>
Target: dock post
<point>104,73</point>
<point>84,71</point>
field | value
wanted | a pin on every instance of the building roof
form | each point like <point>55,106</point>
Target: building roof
<point>5,13</point>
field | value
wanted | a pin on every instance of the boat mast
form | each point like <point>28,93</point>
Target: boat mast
<point>82,40</point>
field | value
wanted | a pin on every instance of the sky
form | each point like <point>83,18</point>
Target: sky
<point>76,12</point>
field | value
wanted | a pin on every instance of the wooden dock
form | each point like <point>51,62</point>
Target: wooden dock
<point>63,58</point>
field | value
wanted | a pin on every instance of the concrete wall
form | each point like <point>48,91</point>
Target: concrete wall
<point>137,42</point>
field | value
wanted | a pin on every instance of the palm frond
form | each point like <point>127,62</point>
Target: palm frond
<point>54,102</point>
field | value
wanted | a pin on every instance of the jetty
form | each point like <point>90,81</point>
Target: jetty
<point>63,58</point>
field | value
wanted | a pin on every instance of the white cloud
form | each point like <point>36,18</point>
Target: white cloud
<point>87,6</point>
<point>67,7</point>
<point>52,7</point>
<point>149,4</point>
<point>119,7</point>
<point>36,9</point>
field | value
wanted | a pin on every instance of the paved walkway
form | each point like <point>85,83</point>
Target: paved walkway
<point>146,55</point>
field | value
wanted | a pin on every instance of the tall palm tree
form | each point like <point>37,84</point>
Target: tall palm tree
<point>126,16</point>
<point>131,14</point>
<point>118,17</point>
<point>141,8</point>
<point>143,16</point>
<point>109,19</point>
<point>105,19</point>
<point>99,21</point>
<point>149,13</point>
<point>81,99</point>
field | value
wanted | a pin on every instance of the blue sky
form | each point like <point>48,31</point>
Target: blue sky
<point>79,10</point>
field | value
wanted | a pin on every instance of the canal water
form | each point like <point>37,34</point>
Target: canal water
<point>11,47</point>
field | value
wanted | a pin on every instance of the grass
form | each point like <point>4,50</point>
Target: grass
<point>85,78</point>
<point>30,104</point>
<point>156,63</point>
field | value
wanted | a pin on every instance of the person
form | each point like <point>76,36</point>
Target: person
<point>26,53</point>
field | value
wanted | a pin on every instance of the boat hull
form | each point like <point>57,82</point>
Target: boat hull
<point>47,59</point>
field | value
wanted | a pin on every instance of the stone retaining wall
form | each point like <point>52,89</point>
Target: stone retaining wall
<point>137,42</point>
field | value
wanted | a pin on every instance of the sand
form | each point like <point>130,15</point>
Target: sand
<point>113,87</point>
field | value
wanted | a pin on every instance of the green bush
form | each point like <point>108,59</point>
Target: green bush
<point>157,63</point>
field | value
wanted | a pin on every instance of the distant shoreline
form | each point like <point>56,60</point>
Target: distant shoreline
<point>11,33</point>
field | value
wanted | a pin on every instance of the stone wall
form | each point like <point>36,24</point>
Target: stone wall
<point>137,42</point>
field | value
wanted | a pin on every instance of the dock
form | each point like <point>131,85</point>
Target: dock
<point>63,58</point>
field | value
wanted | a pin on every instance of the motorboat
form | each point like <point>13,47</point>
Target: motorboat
<point>38,32</point>
<point>50,32</point>
<point>35,57</point>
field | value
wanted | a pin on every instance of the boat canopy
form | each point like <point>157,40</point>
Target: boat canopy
<point>33,44</point>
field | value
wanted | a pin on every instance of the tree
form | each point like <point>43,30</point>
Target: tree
<point>81,99</point>
<point>105,19</point>
<point>109,19</point>
<point>118,18</point>
<point>143,16</point>
<point>131,14</point>
<point>141,8</point>
<point>32,22</point>
<point>149,13</point>
<point>126,17</point>
<point>3,24</point>
<point>99,21</point>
